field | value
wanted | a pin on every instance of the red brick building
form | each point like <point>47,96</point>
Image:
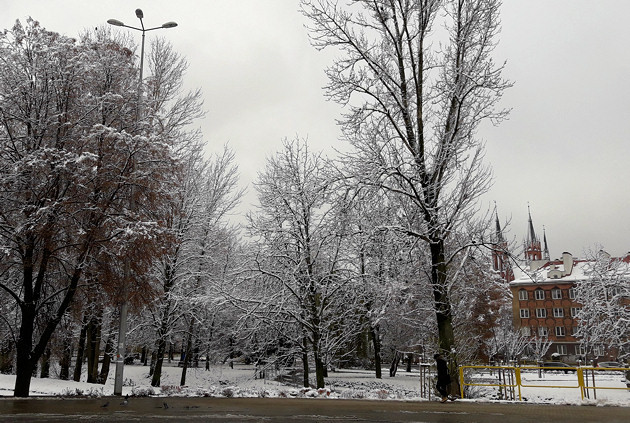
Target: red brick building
<point>544,298</point>
<point>543,303</point>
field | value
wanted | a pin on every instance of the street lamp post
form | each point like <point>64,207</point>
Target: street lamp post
<point>140,16</point>
<point>122,329</point>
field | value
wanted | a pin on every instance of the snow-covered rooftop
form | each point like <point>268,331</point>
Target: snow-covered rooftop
<point>566,269</point>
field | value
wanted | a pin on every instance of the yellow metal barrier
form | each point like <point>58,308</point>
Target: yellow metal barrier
<point>584,379</point>
<point>516,370</point>
<point>581,372</point>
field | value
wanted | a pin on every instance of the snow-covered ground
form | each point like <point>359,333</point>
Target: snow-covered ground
<point>241,381</point>
<point>556,387</point>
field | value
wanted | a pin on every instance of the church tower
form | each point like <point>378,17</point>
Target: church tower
<point>546,248</point>
<point>532,243</point>
<point>500,254</point>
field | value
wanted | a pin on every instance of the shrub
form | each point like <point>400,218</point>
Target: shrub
<point>142,392</point>
<point>382,394</point>
<point>171,389</point>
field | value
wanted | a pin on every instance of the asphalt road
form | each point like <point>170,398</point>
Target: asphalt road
<point>232,410</point>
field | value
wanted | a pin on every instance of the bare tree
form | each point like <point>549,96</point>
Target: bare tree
<point>417,79</point>
<point>300,247</point>
<point>538,346</point>
<point>604,315</point>
<point>203,192</point>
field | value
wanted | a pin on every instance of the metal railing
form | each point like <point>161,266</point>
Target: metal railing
<point>509,380</point>
<point>586,389</point>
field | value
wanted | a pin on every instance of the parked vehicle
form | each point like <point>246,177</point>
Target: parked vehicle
<point>610,364</point>
<point>557,366</point>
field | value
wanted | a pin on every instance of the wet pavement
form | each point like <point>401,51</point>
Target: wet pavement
<point>228,410</point>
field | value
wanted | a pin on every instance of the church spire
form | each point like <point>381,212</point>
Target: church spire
<point>498,233</point>
<point>546,248</point>
<point>532,243</point>
<point>531,234</point>
<point>500,253</point>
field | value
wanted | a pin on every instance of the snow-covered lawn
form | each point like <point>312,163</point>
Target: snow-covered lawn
<point>222,381</point>
<point>570,392</point>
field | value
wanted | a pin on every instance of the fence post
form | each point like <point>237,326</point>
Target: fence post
<point>594,388</point>
<point>461,381</point>
<point>517,371</point>
<point>580,375</point>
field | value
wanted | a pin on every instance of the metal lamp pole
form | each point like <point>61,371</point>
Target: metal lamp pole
<point>122,329</point>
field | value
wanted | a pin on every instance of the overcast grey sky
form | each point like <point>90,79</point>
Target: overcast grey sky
<point>564,150</point>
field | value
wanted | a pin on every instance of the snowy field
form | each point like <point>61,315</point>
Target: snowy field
<point>222,381</point>
<point>556,387</point>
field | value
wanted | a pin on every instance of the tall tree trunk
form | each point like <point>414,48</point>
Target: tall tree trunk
<point>152,365</point>
<point>319,365</point>
<point>107,358</point>
<point>66,358</point>
<point>24,363</point>
<point>159,360</point>
<point>28,352</point>
<point>161,344</point>
<point>305,362</point>
<point>409,362</point>
<point>394,367</point>
<point>80,353</point>
<point>143,356</point>
<point>376,342</point>
<point>446,337</point>
<point>188,352</point>
<point>319,370</point>
<point>231,356</point>
<point>93,349</point>
<point>45,370</point>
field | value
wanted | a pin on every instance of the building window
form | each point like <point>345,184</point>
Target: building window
<point>522,295</point>
<point>561,349</point>
<point>598,350</point>
<point>526,331</point>
<point>524,313</point>
<point>540,294</point>
<point>574,330</point>
<point>542,331</point>
<point>541,312</point>
<point>575,311</point>
<point>558,312</point>
<point>572,293</point>
<point>560,331</point>
<point>556,294</point>
<point>580,350</point>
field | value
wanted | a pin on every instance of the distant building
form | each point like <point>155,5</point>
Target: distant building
<point>544,298</point>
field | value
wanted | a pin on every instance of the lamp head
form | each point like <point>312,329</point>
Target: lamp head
<point>139,13</point>
<point>115,22</point>
<point>169,25</point>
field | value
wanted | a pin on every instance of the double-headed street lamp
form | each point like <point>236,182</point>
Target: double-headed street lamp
<point>122,330</point>
<point>140,16</point>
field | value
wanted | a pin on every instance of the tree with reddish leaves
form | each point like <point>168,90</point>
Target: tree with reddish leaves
<point>71,155</point>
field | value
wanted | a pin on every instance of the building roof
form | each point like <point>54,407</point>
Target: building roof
<point>565,270</point>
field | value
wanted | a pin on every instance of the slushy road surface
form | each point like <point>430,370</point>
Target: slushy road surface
<point>232,410</point>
